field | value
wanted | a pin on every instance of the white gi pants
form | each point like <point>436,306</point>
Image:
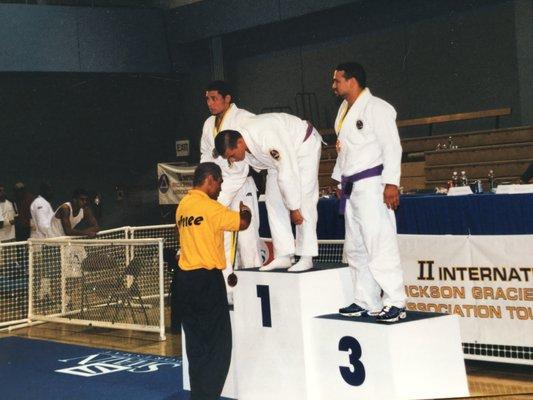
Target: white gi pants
<point>371,247</point>
<point>279,217</point>
<point>248,243</point>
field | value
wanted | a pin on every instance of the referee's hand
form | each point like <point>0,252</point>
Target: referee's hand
<point>246,216</point>
<point>244,207</point>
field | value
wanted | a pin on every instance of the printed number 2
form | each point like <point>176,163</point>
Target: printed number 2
<point>357,376</point>
<point>263,293</point>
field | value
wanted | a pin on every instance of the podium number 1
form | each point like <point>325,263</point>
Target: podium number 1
<point>357,376</point>
<point>263,293</point>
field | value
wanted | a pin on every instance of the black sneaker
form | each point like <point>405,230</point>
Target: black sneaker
<point>391,314</point>
<point>353,310</point>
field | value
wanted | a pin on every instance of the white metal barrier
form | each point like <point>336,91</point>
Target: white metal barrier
<point>97,283</point>
<point>115,233</point>
<point>13,283</point>
<point>167,232</point>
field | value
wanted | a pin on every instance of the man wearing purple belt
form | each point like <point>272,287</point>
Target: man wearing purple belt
<point>368,168</point>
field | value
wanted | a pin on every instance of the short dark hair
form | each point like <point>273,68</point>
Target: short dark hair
<point>221,87</point>
<point>203,170</point>
<point>79,192</point>
<point>353,70</point>
<point>227,139</point>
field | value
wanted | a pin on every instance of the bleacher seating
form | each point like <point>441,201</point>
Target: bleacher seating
<point>506,151</point>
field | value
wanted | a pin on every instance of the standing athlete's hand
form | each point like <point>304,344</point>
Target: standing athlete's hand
<point>296,217</point>
<point>391,196</point>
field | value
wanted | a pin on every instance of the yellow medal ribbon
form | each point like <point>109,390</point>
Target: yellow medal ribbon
<point>216,129</point>
<point>233,247</point>
<point>339,125</point>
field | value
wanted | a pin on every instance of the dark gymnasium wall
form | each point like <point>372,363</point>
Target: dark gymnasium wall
<point>96,96</point>
<point>88,98</point>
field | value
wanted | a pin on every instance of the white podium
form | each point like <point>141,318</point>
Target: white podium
<point>418,358</point>
<point>230,387</point>
<point>289,342</point>
<point>273,327</point>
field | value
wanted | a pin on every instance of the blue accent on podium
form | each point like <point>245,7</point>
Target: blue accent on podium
<point>317,266</point>
<point>411,316</point>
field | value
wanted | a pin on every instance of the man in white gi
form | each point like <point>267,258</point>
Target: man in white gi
<point>289,149</point>
<point>7,217</point>
<point>42,213</point>
<point>237,186</point>
<point>368,167</point>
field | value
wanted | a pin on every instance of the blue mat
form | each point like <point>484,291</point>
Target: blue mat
<point>37,369</point>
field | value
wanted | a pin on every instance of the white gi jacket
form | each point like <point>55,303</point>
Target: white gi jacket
<point>7,214</point>
<point>234,176</point>
<point>368,137</point>
<point>273,141</point>
<point>41,214</point>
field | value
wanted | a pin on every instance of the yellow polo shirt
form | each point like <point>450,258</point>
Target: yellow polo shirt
<point>201,223</point>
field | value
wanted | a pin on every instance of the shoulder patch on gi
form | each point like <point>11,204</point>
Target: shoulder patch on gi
<point>359,124</point>
<point>274,154</point>
<point>215,153</point>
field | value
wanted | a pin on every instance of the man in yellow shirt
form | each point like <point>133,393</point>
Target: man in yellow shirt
<point>201,291</point>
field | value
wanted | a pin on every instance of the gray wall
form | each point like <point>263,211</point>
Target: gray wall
<point>72,115</point>
<point>425,57</point>
<point>96,131</point>
<point>524,51</point>
<point>458,62</point>
<point>88,99</point>
<point>81,39</point>
<point>209,18</point>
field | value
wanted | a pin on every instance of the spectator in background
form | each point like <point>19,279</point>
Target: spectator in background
<point>42,212</point>
<point>64,222</point>
<point>527,177</point>
<point>97,207</point>
<point>23,200</point>
<point>67,217</point>
<point>7,217</point>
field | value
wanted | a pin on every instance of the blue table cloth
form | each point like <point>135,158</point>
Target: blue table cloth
<point>482,214</point>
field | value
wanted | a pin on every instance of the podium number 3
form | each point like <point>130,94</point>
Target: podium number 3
<point>263,293</point>
<point>354,375</point>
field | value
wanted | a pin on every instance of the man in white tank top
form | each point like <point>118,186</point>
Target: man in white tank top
<point>64,222</point>
<point>70,214</point>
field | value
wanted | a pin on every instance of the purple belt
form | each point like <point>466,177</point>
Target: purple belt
<point>308,131</point>
<point>348,181</point>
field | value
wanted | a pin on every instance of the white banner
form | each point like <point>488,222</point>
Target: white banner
<point>486,280</point>
<point>173,182</point>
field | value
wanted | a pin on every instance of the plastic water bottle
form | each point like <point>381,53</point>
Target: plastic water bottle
<point>491,180</point>
<point>455,179</point>
<point>464,179</point>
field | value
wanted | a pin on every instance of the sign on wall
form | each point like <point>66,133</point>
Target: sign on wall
<point>182,148</point>
<point>173,182</point>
